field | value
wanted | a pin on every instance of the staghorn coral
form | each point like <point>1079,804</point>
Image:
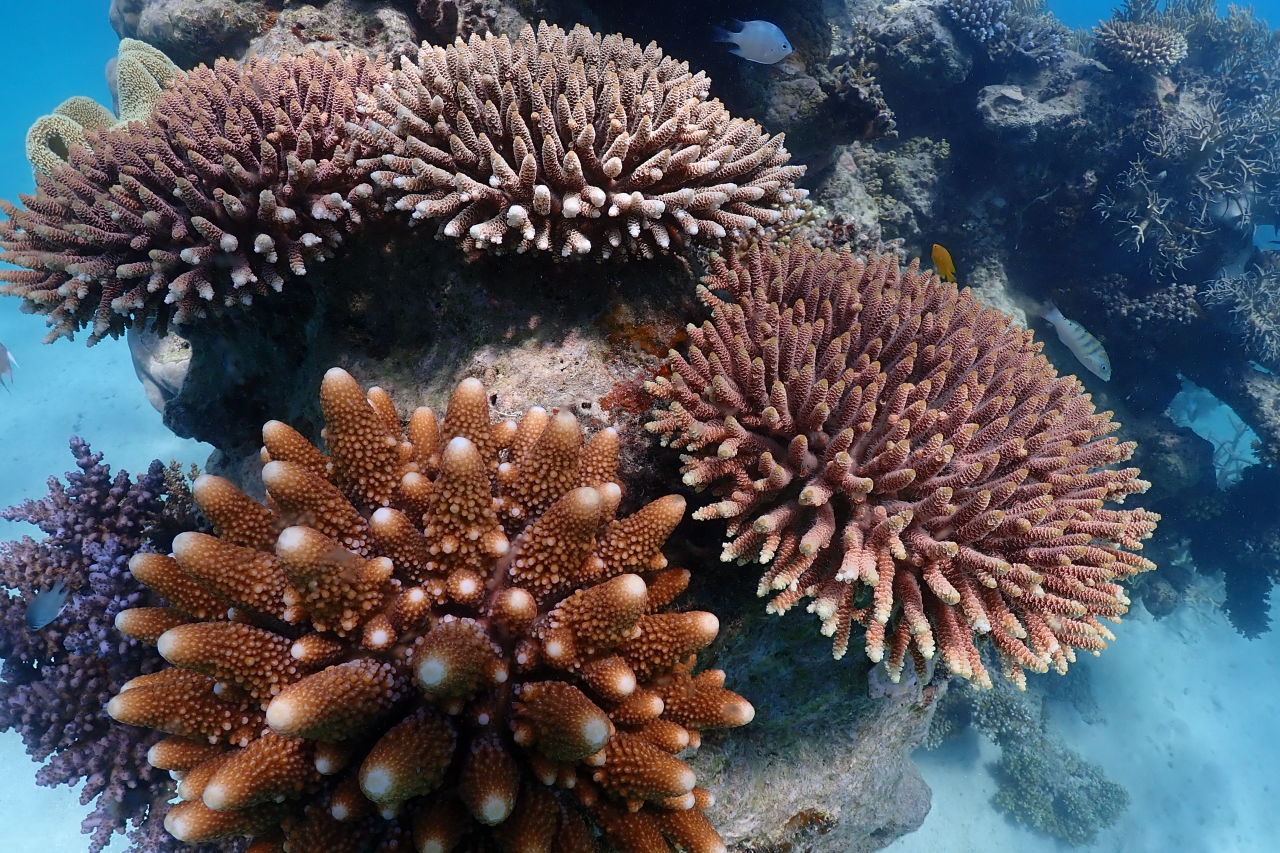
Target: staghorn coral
<point>1041,782</point>
<point>58,678</point>
<point>986,21</point>
<point>1252,300</point>
<point>442,635</point>
<point>904,457</point>
<point>242,177</point>
<point>1142,46</point>
<point>572,143</point>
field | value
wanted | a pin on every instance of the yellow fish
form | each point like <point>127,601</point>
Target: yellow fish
<point>943,264</point>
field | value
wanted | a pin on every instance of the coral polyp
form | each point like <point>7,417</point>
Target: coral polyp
<point>441,635</point>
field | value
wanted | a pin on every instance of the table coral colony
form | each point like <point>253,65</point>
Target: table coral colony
<point>386,652</point>
<point>905,458</point>
<point>244,175</point>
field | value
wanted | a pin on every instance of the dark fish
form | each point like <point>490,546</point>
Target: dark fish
<point>46,606</point>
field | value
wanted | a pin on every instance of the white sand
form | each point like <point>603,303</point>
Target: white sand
<point>1190,711</point>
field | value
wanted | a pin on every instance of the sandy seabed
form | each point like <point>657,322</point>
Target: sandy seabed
<point>1189,709</point>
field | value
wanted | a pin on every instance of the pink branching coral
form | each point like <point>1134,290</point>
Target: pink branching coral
<point>572,143</point>
<point>439,636</point>
<point>243,175</point>
<point>905,458</point>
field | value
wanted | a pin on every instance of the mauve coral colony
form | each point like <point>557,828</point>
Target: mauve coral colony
<point>57,679</point>
<point>905,458</point>
<point>571,143</point>
<point>242,177</point>
<point>442,636</point>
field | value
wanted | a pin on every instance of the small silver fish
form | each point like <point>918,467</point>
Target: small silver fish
<point>756,41</point>
<point>7,364</point>
<point>1084,346</point>
<point>46,606</point>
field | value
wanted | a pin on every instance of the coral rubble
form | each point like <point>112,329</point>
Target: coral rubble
<point>573,143</point>
<point>905,458</point>
<point>442,635</point>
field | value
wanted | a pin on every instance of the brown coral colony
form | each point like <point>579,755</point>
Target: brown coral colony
<point>572,143</point>
<point>243,175</point>
<point>905,458</point>
<point>439,636</point>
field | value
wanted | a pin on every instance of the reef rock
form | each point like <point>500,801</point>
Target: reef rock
<point>1051,108</point>
<point>382,28</point>
<point>917,47</point>
<point>895,189</point>
<point>828,769</point>
<point>195,31</point>
<point>192,31</point>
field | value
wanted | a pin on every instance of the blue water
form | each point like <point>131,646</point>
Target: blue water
<point>1087,13</point>
<point>58,390</point>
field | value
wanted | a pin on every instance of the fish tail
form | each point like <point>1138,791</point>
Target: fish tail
<point>719,34</point>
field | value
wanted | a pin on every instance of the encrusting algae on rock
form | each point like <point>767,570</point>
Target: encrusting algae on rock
<point>441,636</point>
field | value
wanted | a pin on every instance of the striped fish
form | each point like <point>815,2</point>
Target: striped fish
<point>1084,346</point>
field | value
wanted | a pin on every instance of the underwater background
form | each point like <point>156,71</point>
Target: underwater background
<point>1164,741</point>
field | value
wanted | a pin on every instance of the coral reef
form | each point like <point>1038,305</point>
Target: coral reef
<point>983,20</point>
<point>1042,782</point>
<point>246,175</point>
<point>1006,28</point>
<point>571,143</point>
<point>922,470</point>
<point>1242,514</point>
<point>242,177</point>
<point>58,677</point>
<point>1253,302</point>
<point>1139,45</point>
<point>413,657</point>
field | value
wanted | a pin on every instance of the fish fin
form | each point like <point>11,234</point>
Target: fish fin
<point>12,361</point>
<point>721,35</point>
<point>737,51</point>
<point>1050,312</point>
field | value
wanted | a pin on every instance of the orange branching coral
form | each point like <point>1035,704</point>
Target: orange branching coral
<point>905,458</point>
<point>573,143</point>
<point>241,178</point>
<point>438,636</point>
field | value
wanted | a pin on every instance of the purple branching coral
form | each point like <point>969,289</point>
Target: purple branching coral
<point>58,678</point>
